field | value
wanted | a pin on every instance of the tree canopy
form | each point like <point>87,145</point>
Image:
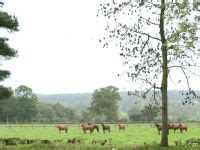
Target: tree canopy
<point>9,23</point>
<point>105,103</point>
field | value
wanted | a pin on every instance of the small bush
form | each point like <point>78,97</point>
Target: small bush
<point>12,141</point>
<point>46,141</point>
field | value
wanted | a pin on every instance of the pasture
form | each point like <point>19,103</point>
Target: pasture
<point>133,137</point>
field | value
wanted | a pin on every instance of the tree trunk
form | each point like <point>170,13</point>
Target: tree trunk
<point>6,117</point>
<point>164,138</point>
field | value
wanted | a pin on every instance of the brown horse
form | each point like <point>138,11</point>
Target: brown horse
<point>121,126</point>
<point>62,127</point>
<point>175,126</point>
<point>183,126</point>
<point>86,127</point>
<point>95,126</point>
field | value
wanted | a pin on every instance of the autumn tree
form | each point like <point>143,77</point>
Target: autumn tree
<point>154,39</point>
<point>9,23</point>
<point>105,103</point>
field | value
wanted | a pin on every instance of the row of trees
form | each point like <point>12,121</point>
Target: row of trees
<point>24,107</point>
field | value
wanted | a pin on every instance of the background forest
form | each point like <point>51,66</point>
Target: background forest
<point>25,107</point>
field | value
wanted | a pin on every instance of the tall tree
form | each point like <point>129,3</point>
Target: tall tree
<point>24,91</point>
<point>105,103</point>
<point>26,103</point>
<point>154,38</point>
<point>9,23</point>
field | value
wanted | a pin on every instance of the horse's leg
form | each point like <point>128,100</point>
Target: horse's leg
<point>84,131</point>
<point>186,129</point>
<point>66,131</point>
<point>91,131</point>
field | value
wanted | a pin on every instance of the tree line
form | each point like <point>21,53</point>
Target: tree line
<point>24,107</point>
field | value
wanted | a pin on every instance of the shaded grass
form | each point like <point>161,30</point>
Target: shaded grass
<point>137,136</point>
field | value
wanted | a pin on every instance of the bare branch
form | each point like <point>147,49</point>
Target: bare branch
<point>145,44</point>
<point>148,20</point>
<point>182,68</point>
<point>155,5</point>
<point>152,85</point>
<point>139,32</point>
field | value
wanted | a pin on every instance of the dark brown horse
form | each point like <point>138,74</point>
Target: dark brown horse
<point>105,128</point>
<point>121,126</point>
<point>86,127</point>
<point>95,126</point>
<point>183,126</point>
<point>62,127</point>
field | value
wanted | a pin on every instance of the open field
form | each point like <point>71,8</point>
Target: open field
<point>134,136</point>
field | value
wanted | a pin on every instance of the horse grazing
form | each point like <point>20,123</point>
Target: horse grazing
<point>62,127</point>
<point>175,126</point>
<point>86,127</point>
<point>95,126</point>
<point>183,126</point>
<point>105,127</point>
<point>121,126</point>
<point>159,127</point>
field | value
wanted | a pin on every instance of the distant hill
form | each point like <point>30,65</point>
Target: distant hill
<point>73,100</point>
<point>83,100</point>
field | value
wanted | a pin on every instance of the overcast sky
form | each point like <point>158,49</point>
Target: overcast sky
<point>58,48</point>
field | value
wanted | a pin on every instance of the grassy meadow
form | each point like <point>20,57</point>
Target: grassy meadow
<point>135,136</point>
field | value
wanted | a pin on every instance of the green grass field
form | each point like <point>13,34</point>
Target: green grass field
<point>134,136</point>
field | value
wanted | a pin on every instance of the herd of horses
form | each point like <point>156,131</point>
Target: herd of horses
<point>91,127</point>
<point>106,127</point>
<point>173,126</point>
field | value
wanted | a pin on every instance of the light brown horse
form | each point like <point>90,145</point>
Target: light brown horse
<point>159,127</point>
<point>62,127</point>
<point>121,126</point>
<point>86,127</point>
<point>183,126</point>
